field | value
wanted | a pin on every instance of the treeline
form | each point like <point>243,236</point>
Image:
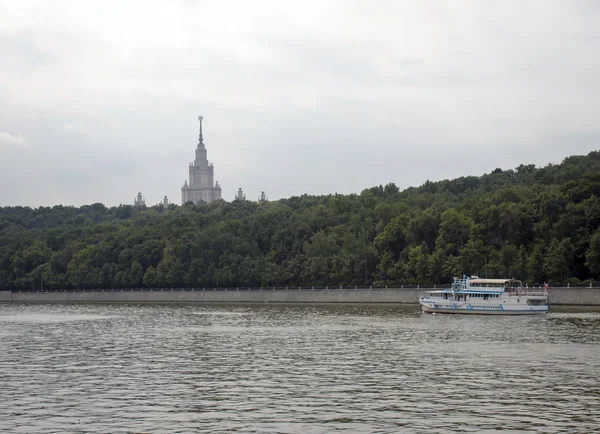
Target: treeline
<point>534,224</point>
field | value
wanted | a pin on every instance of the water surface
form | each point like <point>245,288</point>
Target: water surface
<point>309,369</point>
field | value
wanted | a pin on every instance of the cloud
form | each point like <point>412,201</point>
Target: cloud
<point>75,129</point>
<point>7,139</point>
<point>21,52</point>
<point>311,97</point>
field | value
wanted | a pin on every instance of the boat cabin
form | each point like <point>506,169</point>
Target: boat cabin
<point>495,283</point>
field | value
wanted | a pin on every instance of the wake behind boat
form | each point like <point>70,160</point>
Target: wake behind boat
<point>472,295</point>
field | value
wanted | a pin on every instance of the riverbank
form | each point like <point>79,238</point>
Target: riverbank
<point>558,296</point>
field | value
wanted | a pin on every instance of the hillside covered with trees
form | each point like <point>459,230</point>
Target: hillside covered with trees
<point>534,224</point>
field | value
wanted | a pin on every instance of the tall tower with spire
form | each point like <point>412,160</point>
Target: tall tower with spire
<point>201,187</point>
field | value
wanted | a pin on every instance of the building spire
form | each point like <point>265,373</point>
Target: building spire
<point>200,139</point>
<point>201,187</point>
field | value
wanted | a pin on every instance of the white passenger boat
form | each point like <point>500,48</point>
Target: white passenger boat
<point>472,295</point>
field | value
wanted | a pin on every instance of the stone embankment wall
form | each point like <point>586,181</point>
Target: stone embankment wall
<point>558,296</point>
<point>402,296</point>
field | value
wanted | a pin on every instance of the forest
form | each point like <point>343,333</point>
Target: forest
<point>537,224</point>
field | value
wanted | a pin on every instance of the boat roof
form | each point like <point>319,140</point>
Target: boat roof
<point>492,281</point>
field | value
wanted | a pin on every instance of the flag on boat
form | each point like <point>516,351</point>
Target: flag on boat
<point>545,285</point>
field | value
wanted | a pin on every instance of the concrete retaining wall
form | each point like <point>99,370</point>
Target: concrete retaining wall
<point>558,296</point>
<point>221,296</point>
<point>574,296</point>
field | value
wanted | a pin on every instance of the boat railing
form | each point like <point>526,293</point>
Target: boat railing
<point>529,292</point>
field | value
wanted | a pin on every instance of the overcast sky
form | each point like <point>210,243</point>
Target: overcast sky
<point>99,100</point>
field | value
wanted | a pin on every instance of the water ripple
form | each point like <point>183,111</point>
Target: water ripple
<point>155,369</point>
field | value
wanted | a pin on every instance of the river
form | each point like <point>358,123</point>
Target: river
<point>289,369</point>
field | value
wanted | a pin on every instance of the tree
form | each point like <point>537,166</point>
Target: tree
<point>18,266</point>
<point>417,267</point>
<point>423,227</point>
<point>169,271</point>
<point>509,259</point>
<point>105,276</point>
<point>150,277</point>
<point>454,232</point>
<point>531,223</point>
<point>535,264</point>
<point>593,254</point>
<point>556,265</point>
<point>473,255</point>
<point>136,274</point>
<point>393,238</point>
<point>80,272</point>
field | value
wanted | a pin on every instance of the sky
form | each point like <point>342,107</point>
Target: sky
<point>100,100</point>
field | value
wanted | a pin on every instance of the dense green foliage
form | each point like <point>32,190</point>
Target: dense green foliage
<point>536,224</point>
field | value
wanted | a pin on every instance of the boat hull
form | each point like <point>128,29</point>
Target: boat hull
<point>466,311</point>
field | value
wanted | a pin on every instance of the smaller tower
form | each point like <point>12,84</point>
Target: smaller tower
<point>240,195</point>
<point>139,200</point>
<point>165,202</point>
<point>262,197</point>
